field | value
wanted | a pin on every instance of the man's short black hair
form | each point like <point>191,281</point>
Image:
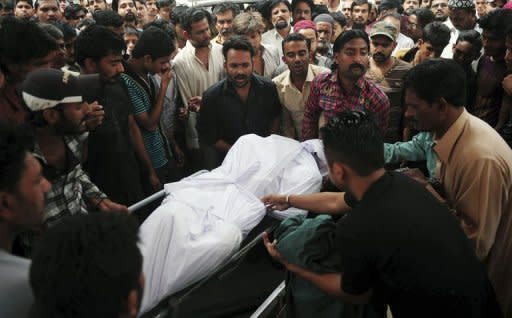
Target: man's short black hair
<point>36,3</point>
<point>310,3</point>
<point>292,37</point>
<point>15,143</point>
<point>496,21</point>
<point>165,26</point>
<point>72,10</point>
<point>239,43</point>
<point>86,266</point>
<point>52,30</point>
<point>177,14</point>
<point>434,79</point>
<point>194,15</point>
<point>224,7</point>
<point>36,42</point>
<point>29,2</point>
<point>473,37</point>
<point>97,42</point>
<point>348,36</point>
<point>360,3</point>
<point>165,3</point>
<point>153,42</point>
<point>424,16</point>
<point>353,138</point>
<point>319,9</point>
<point>67,30</point>
<point>437,34</point>
<point>108,18</point>
<point>339,17</point>
<point>272,4</point>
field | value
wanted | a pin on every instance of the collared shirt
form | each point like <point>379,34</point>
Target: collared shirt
<point>419,148</point>
<point>272,37</point>
<point>217,39</point>
<point>392,84</point>
<point>475,168</point>
<point>327,96</point>
<point>11,108</point>
<point>167,120</point>
<point>193,78</point>
<point>71,188</point>
<point>271,59</point>
<point>293,100</point>
<point>224,116</point>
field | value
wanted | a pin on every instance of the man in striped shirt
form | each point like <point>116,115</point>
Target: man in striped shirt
<point>345,88</point>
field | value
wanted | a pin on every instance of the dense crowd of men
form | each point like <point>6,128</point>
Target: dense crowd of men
<point>104,102</point>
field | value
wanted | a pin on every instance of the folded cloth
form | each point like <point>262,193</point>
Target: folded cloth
<point>310,244</point>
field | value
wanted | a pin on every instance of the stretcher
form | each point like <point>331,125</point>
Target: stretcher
<point>182,303</point>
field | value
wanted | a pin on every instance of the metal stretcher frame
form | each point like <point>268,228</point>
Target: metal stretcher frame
<point>172,308</point>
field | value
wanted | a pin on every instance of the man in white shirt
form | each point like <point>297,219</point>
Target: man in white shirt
<point>280,16</point>
<point>22,189</point>
<point>462,17</point>
<point>197,66</point>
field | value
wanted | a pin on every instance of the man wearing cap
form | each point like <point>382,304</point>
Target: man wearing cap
<point>388,72</point>
<point>59,105</point>
<point>308,29</point>
<point>324,29</point>
<point>462,17</point>
<point>294,84</point>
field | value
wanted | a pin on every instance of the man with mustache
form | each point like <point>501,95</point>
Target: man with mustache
<point>280,16</point>
<point>345,87</point>
<point>324,29</point>
<point>388,72</point>
<point>224,13</point>
<point>47,11</point>
<point>440,9</point>
<point>243,103</point>
<point>128,11</point>
<point>360,10</point>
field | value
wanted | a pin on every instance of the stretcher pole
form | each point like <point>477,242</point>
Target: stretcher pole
<point>160,194</point>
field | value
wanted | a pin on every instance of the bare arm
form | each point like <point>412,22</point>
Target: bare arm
<point>323,202</point>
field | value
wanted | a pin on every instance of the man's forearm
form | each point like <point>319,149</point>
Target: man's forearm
<point>138,144</point>
<point>323,202</point>
<point>222,146</point>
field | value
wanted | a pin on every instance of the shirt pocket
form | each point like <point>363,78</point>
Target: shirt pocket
<point>328,103</point>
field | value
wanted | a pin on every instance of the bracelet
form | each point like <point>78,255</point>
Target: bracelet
<point>288,200</point>
<point>98,204</point>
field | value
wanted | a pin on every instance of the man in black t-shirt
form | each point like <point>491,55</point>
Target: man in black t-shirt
<point>397,243</point>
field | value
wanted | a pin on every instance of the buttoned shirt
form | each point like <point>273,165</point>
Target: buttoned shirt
<point>272,37</point>
<point>271,59</point>
<point>327,96</point>
<point>294,100</point>
<point>224,116</point>
<point>475,168</point>
<point>454,34</point>
<point>193,78</point>
<point>71,188</point>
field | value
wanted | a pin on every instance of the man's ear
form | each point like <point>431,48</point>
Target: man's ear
<point>147,59</point>
<point>5,206</point>
<point>338,172</point>
<point>90,66</point>
<point>186,34</point>
<point>443,105</point>
<point>131,305</point>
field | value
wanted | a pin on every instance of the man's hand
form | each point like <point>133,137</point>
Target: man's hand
<point>165,78</point>
<point>182,113</point>
<point>95,116</point>
<point>154,181</point>
<point>106,205</point>
<point>179,157</point>
<point>271,248</point>
<point>194,104</point>
<point>275,202</point>
<point>417,175</point>
<point>507,84</point>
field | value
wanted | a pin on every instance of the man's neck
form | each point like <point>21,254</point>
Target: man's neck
<point>284,32</point>
<point>243,92</point>
<point>137,65</point>
<point>347,83</point>
<point>359,185</point>
<point>299,79</point>
<point>383,66</point>
<point>453,114</point>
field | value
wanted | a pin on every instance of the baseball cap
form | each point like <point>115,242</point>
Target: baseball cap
<point>384,28</point>
<point>46,88</point>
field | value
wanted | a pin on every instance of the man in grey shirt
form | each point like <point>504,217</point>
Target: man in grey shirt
<point>22,189</point>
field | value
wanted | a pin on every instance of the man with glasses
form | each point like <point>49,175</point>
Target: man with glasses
<point>440,9</point>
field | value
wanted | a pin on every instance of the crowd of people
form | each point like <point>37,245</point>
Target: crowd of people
<point>104,102</point>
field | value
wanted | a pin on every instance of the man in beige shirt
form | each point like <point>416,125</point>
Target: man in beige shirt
<point>293,85</point>
<point>198,66</point>
<point>474,166</point>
